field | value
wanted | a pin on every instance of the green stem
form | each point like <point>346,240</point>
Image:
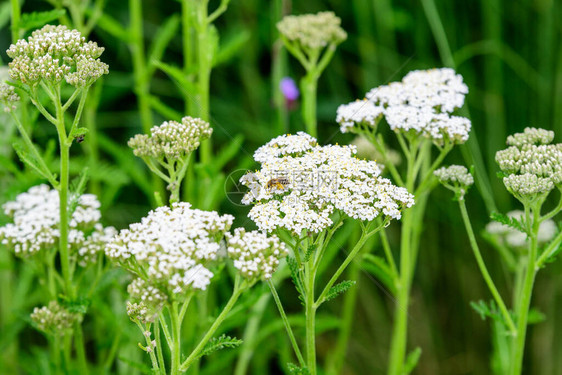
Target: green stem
<point>484,269</point>
<point>176,337</point>
<point>186,47</point>
<point>309,87</point>
<point>204,59</point>
<point>63,199</point>
<point>15,26</point>
<point>160,355</point>
<point>551,248</point>
<point>358,246</point>
<point>195,354</point>
<point>400,328</point>
<point>286,323</point>
<point>337,358</point>
<point>79,346</point>
<point>149,347</point>
<point>525,296</point>
<point>310,314</point>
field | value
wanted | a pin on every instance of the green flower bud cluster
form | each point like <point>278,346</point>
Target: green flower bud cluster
<point>8,97</point>
<point>455,175</point>
<point>312,31</point>
<point>54,54</point>
<point>172,140</point>
<point>456,178</point>
<point>533,166</point>
<point>54,319</point>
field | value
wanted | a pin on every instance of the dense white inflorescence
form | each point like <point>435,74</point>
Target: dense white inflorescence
<point>421,104</point>
<point>517,239</point>
<point>532,165</point>
<point>301,184</point>
<point>312,31</point>
<point>35,226</point>
<point>172,140</point>
<point>359,112</point>
<point>255,254</point>
<point>171,249</point>
<point>54,54</point>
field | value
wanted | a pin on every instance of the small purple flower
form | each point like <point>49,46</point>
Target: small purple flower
<point>289,89</point>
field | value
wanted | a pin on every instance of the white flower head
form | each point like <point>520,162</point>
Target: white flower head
<point>421,104</point>
<point>172,248</point>
<point>255,254</point>
<point>35,225</point>
<point>358,113</point>
<point>304,184</point>
<point>54,54</point>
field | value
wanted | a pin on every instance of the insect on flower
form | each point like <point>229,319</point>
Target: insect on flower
<point>277,183</point>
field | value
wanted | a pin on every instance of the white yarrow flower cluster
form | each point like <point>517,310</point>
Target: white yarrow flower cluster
<point>358,113</point>
<point>300,190</point>
<point>54,54</point>
<point>517,239</point>
<point>171,249</point>
<point>255,254</point>
<point>421,104</point>
<point>533,166</point>
<point>35,225</point>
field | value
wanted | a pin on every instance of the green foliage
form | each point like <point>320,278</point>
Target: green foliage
<point>509,221</point>
<point>412,360</point>
<point>36,20</point>
<point>378,267</point>
<point>296,370</point>
<point>487,310</point>
<point>219,343</point>
<point>339,288</point>
<point>295,276</point>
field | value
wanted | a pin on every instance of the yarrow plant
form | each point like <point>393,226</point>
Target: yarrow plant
<point>304,192</point>
<point>167,150</point>
<point>52,60</point>
<point>419,110</point>
<point>173,254</point>
<point>531,168</point>
<point>312,39</point>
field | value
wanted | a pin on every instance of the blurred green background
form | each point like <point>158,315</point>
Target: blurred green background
<point>510,54</point>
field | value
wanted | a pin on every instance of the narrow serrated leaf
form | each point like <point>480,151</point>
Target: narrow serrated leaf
<point>509,221</point>
<point>219,343</point>
<point>338,289</point>
<point>295,276</point>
